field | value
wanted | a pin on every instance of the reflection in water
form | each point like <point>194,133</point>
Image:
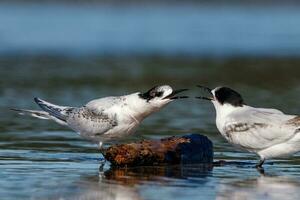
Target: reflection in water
<point>106,191</point>
<point>115,184</point>
<point>137,175</point>
<point>264,187</point>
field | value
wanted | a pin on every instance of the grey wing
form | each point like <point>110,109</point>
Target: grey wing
<point>106,103</point>
<point>89,123</point>
<point>259,128</point>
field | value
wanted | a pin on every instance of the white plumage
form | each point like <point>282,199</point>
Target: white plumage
<point>267,132</point>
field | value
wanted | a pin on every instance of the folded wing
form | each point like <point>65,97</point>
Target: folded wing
<point>256,128</point>
<point>91,124</point>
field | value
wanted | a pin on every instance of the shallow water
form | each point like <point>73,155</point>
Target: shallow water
<point>42,160</point>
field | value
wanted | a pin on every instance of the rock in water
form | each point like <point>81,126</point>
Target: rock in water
<point>188,149</point>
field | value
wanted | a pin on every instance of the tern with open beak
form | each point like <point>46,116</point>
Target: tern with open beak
<point>108,118</point>
<point>265,131</point>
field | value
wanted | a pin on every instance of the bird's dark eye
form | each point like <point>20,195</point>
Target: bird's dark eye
<point>159,94</point>
<point>152,93</point>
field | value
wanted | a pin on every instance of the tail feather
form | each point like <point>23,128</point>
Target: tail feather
<point>33,113</point>
<point>56,111</point>
<point>50,111</point>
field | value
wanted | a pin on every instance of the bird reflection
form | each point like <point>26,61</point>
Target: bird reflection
<point>94,187</point>
<point>109,192</point>
<point>263,187</point>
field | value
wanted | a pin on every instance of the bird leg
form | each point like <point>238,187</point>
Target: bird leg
<point>259,166</point>
<point>260,163</point>
<point>100,145</point>
<point>102,149</point>
<point>102,161</point>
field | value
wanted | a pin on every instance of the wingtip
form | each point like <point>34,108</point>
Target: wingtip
<point>19,111</point>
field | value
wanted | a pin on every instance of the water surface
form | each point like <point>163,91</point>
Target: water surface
<point>42,160</point>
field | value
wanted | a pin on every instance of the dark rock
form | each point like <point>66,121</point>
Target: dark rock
<point>188,149</point>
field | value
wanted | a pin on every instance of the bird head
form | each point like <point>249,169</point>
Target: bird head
<point>142,104</point>
<point>159,96</point>
<point>222,96</point>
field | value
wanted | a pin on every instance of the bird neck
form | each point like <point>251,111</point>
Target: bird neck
<point>225,109</point>
<point>222,111</point>
<point>138,108</point>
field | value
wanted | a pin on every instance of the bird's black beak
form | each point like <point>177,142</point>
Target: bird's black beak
<point>207,90</point>
<point>172,95</point>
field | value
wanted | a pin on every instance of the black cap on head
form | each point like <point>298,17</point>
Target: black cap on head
<point>152,93</point>
<point>227,95</point>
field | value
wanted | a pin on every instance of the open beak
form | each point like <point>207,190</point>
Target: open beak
<point>172,95</point>
<point>207,90</point>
